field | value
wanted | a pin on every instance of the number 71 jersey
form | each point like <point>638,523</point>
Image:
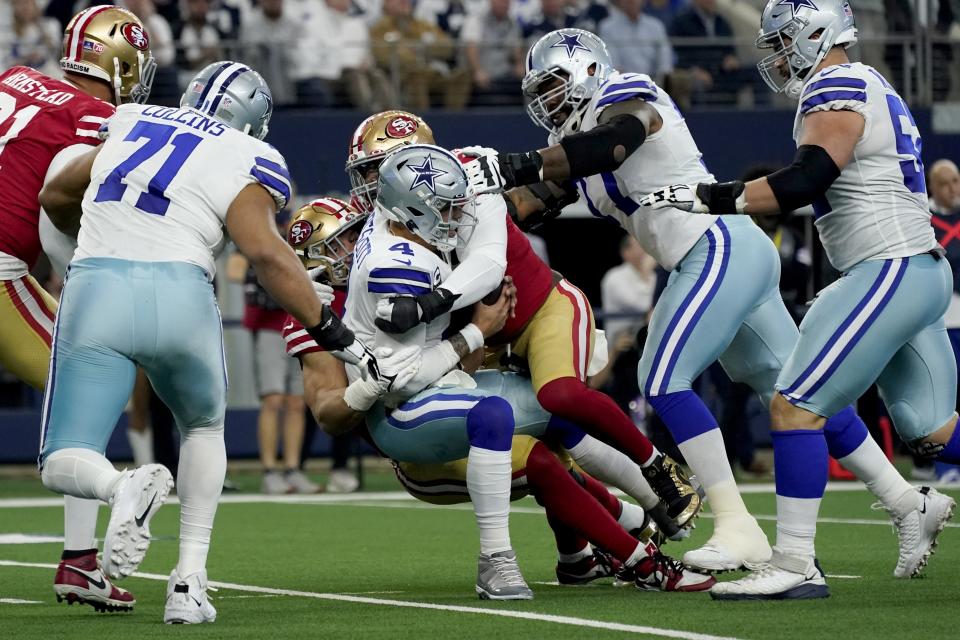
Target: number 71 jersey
<point>163,181</point>
<point>877,208</point>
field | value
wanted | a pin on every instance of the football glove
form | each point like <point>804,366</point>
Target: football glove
<point>335,337</point>
<point>324,291</point>
<point>402,313</point>
<point>397,368</point>
<point>494,172</point>
<point>720,198</point>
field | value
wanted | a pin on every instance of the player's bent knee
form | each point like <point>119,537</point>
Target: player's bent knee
<point>562,395</point>
<point>490,424</point>
<point>785,416</point>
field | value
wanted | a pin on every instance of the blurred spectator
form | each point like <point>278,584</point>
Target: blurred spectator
<point>449,15</point>
<point>199,39</point>
<point>161,35</point>
<point>871,30</point>
<point>554,14</point>
<point>590,13</point>
<point>637,42</point>
<point>277,40</point>
<point>61,10</point>
<point>279,385</point>
<point>415,54</point>
<point>628,288</point>
<point>945,209</point>
<point>493,45</point>
<point>33,40</point>
<point>664,10</point>
<point>357,77</point>
<point>717,74</point>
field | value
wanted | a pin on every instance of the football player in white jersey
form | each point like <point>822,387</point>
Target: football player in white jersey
<point>618,135</point>
<point>155,198</point>
<point>858,164</point>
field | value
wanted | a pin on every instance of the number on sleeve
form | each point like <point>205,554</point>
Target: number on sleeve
<point>403,248</point>
<point>908,143</point>
<point>21,118</point>
<point>158,136</point>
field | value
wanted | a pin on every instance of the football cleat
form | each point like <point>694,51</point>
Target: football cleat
<point>137,497</point>
<point>658,572</point>
<point>737,544</point>
<point>342,481</point>
<point>669,481</point>
<point>919,529</point>
<point>273,484</point>
<point>593,567</point>
<point>499,578</point>
<point>80,580</point>
<point>785,577</point>
<point>187,600</point>
<point>299,482</point>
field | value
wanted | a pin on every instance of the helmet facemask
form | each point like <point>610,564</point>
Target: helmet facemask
<point>542,107</point>
<point>455,220</point>
<point>140,89</point>
<point>335,253</point>
<point>362,187</point>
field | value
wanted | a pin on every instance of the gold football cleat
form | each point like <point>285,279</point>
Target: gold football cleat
<point>670,482</point>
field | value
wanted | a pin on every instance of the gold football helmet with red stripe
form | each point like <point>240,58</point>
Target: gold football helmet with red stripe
<point>110,44</point>
<point>323,233</point>
<point>375,138</point>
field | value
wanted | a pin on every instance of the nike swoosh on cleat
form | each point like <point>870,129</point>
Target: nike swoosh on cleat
<point>98,583</point>
<point>143,516</point>
<point>923,509</point>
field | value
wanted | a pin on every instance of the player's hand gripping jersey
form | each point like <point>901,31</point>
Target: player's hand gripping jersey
<point>44,123</point>
<point>669,156</point>
<point>877,208</point>
<point>181,170</point>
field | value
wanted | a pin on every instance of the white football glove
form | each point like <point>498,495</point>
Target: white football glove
<point>396,369</point>
<point>483,173</point>
<point>324,291</point>
<point>676,196</point>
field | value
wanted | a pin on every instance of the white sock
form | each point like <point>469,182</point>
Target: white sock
<point>610,466</point>
<point>638,554</point>
<point>575,557</point>
<point>80,472</point>
<point>203,466</point>
<point>871,466</point>
<point>707,458</point>
<point>79,523</point>
<point>797,525</point>
<point>488,482</point>
<point>141,444</point>
<point>631,516</point>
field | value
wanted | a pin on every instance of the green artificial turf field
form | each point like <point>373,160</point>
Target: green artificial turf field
<point>383,566</point>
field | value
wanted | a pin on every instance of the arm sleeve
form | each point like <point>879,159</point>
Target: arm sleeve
<point>484,261</point>
<point>269,170</point>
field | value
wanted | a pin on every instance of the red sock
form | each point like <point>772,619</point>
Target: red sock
<point>602,495</point>
<point>572,506</point>
<point>597,414</point>
<point>569,541</point>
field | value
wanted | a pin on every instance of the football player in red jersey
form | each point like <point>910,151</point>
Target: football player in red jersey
<point>45,123</point>
<point>552,327</point>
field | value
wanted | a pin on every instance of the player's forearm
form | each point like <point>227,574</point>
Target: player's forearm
<point>474,278</point>
<point>333,414</point>
<point>439,360</point>
<point>62,196</point>
<point>282,275</point>
<point>760,198</point>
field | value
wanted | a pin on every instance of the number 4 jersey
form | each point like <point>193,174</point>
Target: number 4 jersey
<point>41,119</point>
<point>877,208</point>
<point>163,181</point>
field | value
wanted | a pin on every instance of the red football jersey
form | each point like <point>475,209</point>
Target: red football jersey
<point>39,117</point>
<point>297,339</point>
<point>532,278</point>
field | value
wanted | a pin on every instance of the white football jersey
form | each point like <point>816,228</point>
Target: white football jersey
<point>386,266</point>
<point>163,181</point>
<point>877,208</point>
<point>669,156</point>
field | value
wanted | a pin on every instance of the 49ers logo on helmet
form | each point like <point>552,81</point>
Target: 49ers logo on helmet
<point>136,36</point>
<point>300,232</point>
<point>402,127</point>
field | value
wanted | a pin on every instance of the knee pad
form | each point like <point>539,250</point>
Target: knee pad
<point>844,432</point>
<point>566,433</point>
<point>490,424</point>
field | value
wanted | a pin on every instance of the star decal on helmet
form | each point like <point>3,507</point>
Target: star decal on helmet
<point>571,42</point>
<point>426,174</point>
<point>796,5</point>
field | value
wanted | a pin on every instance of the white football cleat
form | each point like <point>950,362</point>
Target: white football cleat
<point>919,529</point>
<point>786,577</point>
<point>136,499</point>
<point>738,544</point>
<point>187,601</point>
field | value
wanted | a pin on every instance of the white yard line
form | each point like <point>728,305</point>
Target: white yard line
<point>19,601</point>
<point>382,602</point>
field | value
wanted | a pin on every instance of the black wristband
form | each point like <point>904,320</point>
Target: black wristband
<point>331,333</point>
<point>436,303</point>
<point>519,169</point>
<point>721,197</point>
